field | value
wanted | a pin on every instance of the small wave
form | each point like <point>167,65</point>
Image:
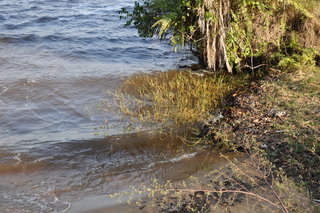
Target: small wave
<point>33,38</point>
<point>7,39</point>
<point>2,18</point>
<point>30,37</point>
<point>173,160</point>
<point>43,159</point>
<point>17,158</point>
<point>55,38</point>
<point>23,22</point>
<point>12,26</point>
<point>19,38</point>
<point>45,19</point>
<point>183,157</point>
<point>35,8</point>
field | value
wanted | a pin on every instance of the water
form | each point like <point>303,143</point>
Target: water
<point>57,58</point>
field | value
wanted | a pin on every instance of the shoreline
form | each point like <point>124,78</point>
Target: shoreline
<point>254,121</point>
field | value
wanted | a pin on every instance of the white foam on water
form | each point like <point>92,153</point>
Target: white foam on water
<point>4,89</point>
<point>182,157</point>
<point>173,160</point>
<point>33,203</point>
<point>17,158</point>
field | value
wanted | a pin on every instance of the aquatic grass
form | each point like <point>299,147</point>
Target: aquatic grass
<point>174,97</point>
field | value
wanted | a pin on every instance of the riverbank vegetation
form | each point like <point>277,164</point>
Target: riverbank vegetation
<point>175,97</point>
<point>274,123</point>
<point>258,93</point>
<point>229,36</point>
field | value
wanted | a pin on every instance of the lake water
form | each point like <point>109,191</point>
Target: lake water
<point>57,59</point>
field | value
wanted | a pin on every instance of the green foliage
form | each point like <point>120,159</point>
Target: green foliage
<point>253,26</point>
<point>179,21</point>
<point>175,19</point>
<point>294,56</point>
<point>240,36</point>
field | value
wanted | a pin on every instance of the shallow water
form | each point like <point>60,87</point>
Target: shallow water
<point>57,59</point>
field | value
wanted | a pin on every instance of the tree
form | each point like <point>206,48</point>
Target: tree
<point>228,35</point>
<point>213,22</point>
<point>201,24</point>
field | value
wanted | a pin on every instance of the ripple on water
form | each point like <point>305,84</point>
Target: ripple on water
<point>45,19</point>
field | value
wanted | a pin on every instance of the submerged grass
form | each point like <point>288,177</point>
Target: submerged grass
<point>174,97</point>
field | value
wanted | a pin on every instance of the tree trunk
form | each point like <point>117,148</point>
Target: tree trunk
<point>213,23</point>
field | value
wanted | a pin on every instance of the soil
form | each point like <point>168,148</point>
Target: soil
<point>248,112</point>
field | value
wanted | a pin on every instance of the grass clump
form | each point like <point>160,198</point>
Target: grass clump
<point>174,97</point>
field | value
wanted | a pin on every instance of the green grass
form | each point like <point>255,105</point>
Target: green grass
<point>174,97</point>
<point>298,94</point>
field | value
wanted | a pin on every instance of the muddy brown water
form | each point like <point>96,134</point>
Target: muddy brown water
<point>57,59</point>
